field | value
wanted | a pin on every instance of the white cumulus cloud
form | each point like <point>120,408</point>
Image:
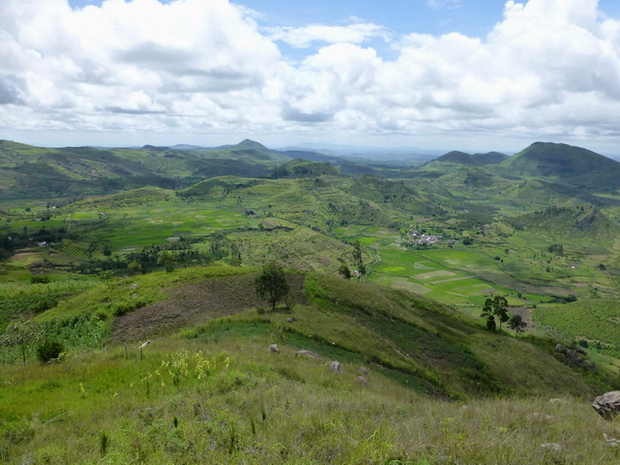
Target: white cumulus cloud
<point>549,67</point>
<point>302,37</point>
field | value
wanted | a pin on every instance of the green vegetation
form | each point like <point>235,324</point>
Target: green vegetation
<point>301,168</point>
<point>132,326</point>
<point>572,165</point>
<point>272,284</point>
<point>589,322</point>
<point>495,308</point>
<point>214,393</point>
<point>194,403</point>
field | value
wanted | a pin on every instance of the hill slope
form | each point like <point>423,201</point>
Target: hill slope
<point>572,165</point>
<point>456,160</point>
<point>40,172</point>
<point>419,342</point>
<point>576,223</point>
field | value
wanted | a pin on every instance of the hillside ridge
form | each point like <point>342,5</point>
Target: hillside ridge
<point>573,165</point>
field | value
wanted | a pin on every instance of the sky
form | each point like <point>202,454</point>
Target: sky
<point>472,75</point>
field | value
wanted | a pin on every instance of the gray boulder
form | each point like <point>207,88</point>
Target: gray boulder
<point>273,348</point>
<point>336,367</point>
<point>607,405</point>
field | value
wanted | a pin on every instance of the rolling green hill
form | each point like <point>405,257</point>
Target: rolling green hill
<point>566,164</point>
<point>300,168</point>
<point>456,160</point>
<point>422,381</point>
<point>427,346</point>
<point>538,193</point>
<point>484,186</point>
<point>578,223</point>
<point>207,389</point>
<point>39,172</point>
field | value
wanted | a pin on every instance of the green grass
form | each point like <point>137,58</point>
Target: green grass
<point>191,402</point>
<point>398,330</point>
<point>454,276</point>
<point>24,299</point>
<point>309,224</point>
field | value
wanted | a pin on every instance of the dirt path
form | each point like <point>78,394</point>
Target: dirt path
<point>194,304</point>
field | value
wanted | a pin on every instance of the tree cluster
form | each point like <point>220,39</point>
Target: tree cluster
<point>495,308</point>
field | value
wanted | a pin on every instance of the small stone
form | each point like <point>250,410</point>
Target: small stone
<point>552,446</point>
<point>613,442</point>
<point>273,348</point>
<point>289,320</point>
<point>362,371</point>
<point>362,380</point>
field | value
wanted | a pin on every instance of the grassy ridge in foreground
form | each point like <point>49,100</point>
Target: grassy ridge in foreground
<point>214,394</point>
<point>231,401</point>
<point>435,347</point>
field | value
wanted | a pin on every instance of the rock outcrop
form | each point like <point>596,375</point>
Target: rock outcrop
<point>575,357</point>
<point>607,405</point>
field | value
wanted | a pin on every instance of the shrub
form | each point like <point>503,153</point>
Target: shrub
<point>49,350</point>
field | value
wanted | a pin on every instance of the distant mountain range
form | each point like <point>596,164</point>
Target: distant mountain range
<point>27,171</point>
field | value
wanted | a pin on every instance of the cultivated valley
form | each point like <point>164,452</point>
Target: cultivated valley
<point>131,330</point>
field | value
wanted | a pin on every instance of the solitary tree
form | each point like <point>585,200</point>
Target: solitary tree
<point>495,307</point>
<point>272,284</point>
<point>358,260</point>
<point>134,266</point>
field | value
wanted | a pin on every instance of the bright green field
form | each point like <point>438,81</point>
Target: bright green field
<point>448,275</point>
<point>152,225</point>
<point>309,224</point>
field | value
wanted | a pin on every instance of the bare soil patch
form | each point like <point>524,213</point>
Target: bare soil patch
<point>525,313</point>
<point>195,304</point>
